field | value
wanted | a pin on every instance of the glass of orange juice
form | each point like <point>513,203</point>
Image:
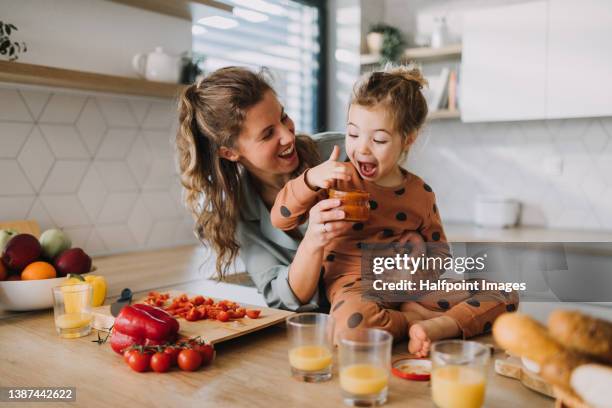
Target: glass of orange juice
<point>72,310</point>
<point>365,362</point>
<point>458,377</point>
<point>310,346</point>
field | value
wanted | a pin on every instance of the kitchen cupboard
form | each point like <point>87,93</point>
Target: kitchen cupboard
<point>537,60</point>
<point>579,58</point>
<point>503,66</point>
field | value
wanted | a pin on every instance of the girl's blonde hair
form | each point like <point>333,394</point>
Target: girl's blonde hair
<point>212,114</point>
<point>398,89</point>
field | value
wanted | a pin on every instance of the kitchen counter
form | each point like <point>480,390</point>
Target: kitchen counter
<point>250,371</point>
<point>472,233</point>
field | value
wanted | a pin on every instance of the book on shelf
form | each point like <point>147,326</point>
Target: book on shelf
<point>436,94</point>
<point>452,91</point>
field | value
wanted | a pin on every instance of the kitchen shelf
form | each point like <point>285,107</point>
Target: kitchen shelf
<point>419,54</point>
<point>444,114</point>
<point>177,8</point>
<point>16,72</point>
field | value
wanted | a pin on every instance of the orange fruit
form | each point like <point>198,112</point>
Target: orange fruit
<point>3,272</point>
<point>38,270</point>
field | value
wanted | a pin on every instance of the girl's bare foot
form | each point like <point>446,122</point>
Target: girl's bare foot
<point>414,312</point>
<point>423,333</point>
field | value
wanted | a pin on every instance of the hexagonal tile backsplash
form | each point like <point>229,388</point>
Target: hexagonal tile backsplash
<point>101,167</point>
<point>560,170</point>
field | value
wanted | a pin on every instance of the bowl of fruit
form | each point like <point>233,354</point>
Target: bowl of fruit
<point>30,267</point>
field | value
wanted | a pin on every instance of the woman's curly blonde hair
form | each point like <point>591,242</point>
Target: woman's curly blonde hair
<point>212,114</point>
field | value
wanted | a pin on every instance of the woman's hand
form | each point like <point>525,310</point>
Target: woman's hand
<point>324,175</point>
<point>325,223</point>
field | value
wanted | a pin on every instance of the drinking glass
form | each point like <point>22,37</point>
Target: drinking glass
<point>365,362</point>
<point>72,310</point>
<point>458,378</point>
<point>310,346</point>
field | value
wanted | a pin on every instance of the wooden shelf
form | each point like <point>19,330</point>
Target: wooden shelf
<point>177,8</point>
<point>431,54</point>
<point>418,54</point>
<point>16,72</point>
<point>444,114</point>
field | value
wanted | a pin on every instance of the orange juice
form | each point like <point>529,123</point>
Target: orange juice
<point>310,358</point>
<point>73,320</point>
<point>458,387</point>
<point>363,379</point>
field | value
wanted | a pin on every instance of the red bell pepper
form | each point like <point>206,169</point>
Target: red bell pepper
<point>144,325</point>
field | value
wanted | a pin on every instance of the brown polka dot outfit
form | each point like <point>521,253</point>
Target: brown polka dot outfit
<point>393,211</point>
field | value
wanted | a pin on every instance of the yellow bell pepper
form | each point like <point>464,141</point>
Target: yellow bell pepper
<point>98,283</point>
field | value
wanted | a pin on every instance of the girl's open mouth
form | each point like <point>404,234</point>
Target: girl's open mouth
<point>367,169</point>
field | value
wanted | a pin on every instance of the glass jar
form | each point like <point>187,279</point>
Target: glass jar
<point>355,204</point>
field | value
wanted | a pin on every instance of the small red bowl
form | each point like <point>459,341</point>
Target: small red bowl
<point>415,369</point>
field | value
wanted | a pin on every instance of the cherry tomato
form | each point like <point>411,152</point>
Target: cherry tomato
<point>208,353</point>
<point>173,352</point>
<point>253,314</point>
<point>189,360</point>
<point>139,361</point>
<point>160,362</point>
<point>192,315</point>
<point>223,316</point>
<point>127,353</point>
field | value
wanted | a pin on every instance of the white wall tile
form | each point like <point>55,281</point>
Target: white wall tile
<point>92,192</point>
<point>161,174</point>
<point>160,116</point>
<point>139,109</point>
<point>117,112</point>
<point>91,126</point>
<point>160,204</point>
<point>116,175</point>
<point>62,108</point>
<point>596,138</point>
<point>95,245</point>
<point>116,143</point>
<point>12,137</point>
<point>139,159</point>
<point>163,233</point>
<point>160,142</point>
<point>64,141</point>
<point>12,106</point>
<point>65,176</point>
<point>12,179</point>
<point>36,159</point>
<point>39,213</point>
<point>140,222</point>
<point>117,207</point>
<point>79,236</point>
<point>65,210</point>
<point>35,101</point>
<point>116,237</point>
<point>16,207</point>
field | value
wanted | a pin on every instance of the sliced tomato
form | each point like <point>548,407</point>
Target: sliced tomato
<point>223,316</point>
<point>253,313</point>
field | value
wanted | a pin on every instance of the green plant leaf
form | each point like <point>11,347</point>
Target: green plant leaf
<point>7,28</point>
<point>12,27</point>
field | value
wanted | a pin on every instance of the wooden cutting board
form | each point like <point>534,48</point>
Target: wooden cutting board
<point>212,331</point>
<point>513,367</point>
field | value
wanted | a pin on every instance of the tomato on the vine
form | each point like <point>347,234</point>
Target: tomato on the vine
<point>160,362</point>
<point>139,362</point>
<point>189,360</point>
<point>173,352</point>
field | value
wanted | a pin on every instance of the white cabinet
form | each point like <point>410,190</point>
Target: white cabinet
<point>579,79</point>
<point>503,67</point>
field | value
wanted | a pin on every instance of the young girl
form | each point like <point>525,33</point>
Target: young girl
<point>386,112</point>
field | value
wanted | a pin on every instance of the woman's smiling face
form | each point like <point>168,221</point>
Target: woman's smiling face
<point>373,146</point>
<point>266,145</point>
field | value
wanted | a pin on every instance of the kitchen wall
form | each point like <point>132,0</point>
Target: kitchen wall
<point>561,170</point>
<point>99,166</point>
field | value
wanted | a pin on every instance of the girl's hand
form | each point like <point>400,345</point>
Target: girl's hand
<point>417,242</point>
<point>325,223</point>
<point>324,175</point>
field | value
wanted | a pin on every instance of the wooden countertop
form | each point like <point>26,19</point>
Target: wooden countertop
<point>251,371</point>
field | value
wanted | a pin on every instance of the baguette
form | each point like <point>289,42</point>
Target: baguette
<point>523,336</point>
<point>592,383</point>
<point>582,333</point>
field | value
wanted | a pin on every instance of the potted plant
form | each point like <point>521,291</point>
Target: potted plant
<point>386,41</point>
<point>8,48</point>
<point>191,67</point>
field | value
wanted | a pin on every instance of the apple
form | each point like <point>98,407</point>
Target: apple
<point>5,236</point>
<point>20,251</point>
<point>54,242</point>
<point>74,261</point>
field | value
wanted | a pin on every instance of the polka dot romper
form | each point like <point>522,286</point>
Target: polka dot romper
<point>410,206</point>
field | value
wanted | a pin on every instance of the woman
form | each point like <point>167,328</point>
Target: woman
<point>237,148</point>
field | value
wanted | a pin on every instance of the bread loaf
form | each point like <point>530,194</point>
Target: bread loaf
<point>557,368</point>
<point>523,336</point>
<point>582,333</point>
<point>592,383</point>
